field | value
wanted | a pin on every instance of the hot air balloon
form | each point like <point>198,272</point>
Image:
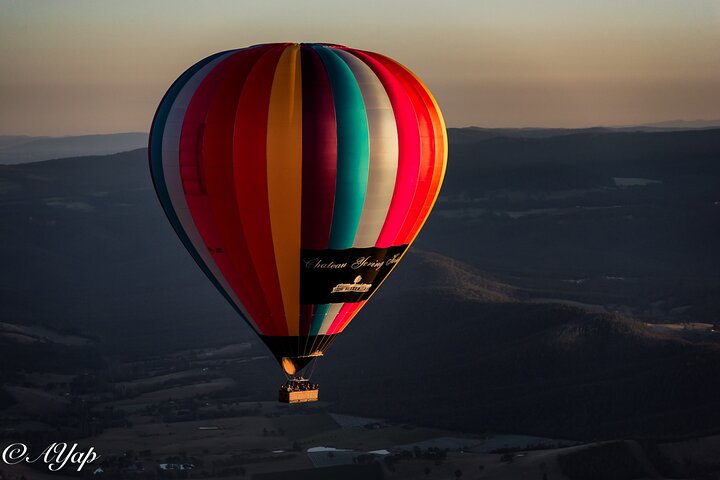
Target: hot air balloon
<point>297,175</point>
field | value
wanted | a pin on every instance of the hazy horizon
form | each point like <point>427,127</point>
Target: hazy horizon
<point>710,123</point>
<point>82,67</point>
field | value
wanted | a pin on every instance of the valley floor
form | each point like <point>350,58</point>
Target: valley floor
<point>180,416</point>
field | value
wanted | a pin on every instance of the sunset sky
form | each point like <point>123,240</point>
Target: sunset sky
<point>76,67</point>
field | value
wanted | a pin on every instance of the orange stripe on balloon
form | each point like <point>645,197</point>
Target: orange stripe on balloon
<point>284,179</point>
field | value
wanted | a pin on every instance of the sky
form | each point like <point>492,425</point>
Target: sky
<point>77,67</point>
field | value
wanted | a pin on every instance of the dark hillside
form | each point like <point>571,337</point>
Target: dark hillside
<point>447,360</point>
<point>477,337</point>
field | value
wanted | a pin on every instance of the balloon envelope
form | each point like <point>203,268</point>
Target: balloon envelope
<point>297,175</point>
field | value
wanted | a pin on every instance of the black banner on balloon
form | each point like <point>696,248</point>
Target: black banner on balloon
<point>348,275</point>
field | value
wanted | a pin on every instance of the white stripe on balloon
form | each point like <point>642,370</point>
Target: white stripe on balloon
<point>383,151</point>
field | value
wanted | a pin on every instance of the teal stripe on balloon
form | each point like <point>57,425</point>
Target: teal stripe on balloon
<point>318,317</point>
<point>353,150</point>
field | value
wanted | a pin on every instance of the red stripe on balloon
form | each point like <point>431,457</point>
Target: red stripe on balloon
<point>250,175</point>
<point>438,156</point>
<point>192,162</point>
<point>217,169</point>
<point>344,316</point>
<point>409,150</point>
<point>319,152</point>
<point>427,142</point>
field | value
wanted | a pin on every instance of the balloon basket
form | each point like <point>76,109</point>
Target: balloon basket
<point>298,391</point>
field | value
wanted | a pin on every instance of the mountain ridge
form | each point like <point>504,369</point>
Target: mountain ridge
<point>18,149</point>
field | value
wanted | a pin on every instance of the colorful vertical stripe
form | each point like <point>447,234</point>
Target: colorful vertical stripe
<point>353,149</point>
<point>270,158</point>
